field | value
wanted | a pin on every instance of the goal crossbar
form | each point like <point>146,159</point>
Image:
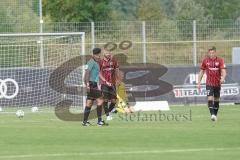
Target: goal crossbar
<point>41,34</point>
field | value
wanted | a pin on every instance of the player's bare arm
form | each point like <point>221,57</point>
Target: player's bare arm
<point>117,74</point>
<point>104,80</point>
<point>86,78</point>
<point>223,75</point>
<point>200,78</point>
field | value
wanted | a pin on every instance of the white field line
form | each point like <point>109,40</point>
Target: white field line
<point>116,153</point>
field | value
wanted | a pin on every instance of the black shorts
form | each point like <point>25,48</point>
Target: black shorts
<point>213,91</point>
<point>94,92</point>
<point>109,92</point>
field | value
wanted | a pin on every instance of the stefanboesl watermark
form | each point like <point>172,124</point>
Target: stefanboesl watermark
<point>158,116</point>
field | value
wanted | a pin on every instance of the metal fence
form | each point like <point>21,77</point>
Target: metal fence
<point>174,43</point>
<point>164,42</point>
<point>167,42</point>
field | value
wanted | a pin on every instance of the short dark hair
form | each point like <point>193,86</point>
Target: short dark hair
<point>96,51</point>
<point>213,48</point>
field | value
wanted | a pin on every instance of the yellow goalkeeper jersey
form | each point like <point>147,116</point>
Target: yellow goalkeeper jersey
<point>121,97</point>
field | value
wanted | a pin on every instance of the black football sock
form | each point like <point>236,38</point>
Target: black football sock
<point>210,106</point>
<point>216,107</point>
<point>99,113</point>
<point>105,107</point>
<point>86,113</point>
<point>111,106</point>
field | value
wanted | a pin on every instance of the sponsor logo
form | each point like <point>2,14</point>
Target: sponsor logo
<point>193,78</point>
<point>194,92</point>
<point>108,69</point>
<point>214,69</point>
<point>4,87</point>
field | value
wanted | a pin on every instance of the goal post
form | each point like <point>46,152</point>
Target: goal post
<point>27,61</point>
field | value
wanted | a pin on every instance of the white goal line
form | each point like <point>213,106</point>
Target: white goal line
<point>117,153</point>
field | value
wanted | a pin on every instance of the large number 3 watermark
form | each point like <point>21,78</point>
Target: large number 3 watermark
<point>143,79</point>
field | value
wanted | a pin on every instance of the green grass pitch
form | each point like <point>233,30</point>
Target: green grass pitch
<point>41,136</point>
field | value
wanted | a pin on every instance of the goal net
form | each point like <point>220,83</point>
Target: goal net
<point>41,69</point>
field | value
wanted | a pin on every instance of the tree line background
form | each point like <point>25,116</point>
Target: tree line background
<point>115,10</point>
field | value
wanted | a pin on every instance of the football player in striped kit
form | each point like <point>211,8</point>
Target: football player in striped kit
<point>215,69</point>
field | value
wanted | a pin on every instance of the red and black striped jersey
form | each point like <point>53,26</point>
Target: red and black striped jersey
<point>108,70</point>
<point>213,70</point>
